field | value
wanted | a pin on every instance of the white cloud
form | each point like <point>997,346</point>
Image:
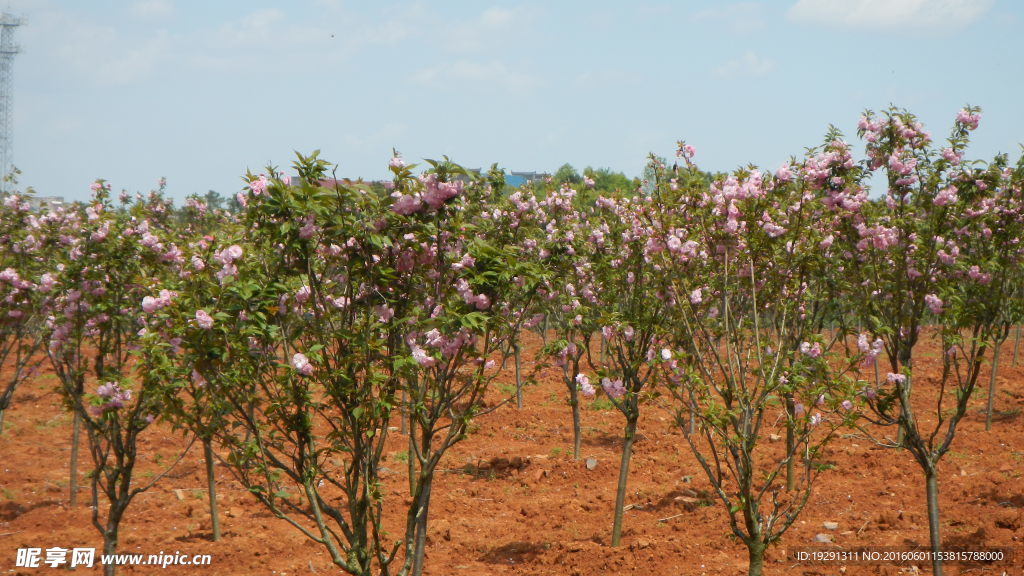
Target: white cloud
<point>749,65</point>
<point>153,9</point>
<point>602,78</point>
<point>98,52</point>
<point>493,26</point>
<point>921,15</point>
<point>467,73</point>
<point>741,17</point>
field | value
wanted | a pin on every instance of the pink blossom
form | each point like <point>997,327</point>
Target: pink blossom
<point>969,120</point>
<point>784,173</point>
<point>232,253</point>
<point>847,405</point>
<point>405,204</point>
<point>893,378</point>
<point>945,196</point>
<point>421,357</point>
<point>397,162</point>
<point>308,228</point>
<point>384,313</point>
<point>198,378</point>
<point>113,394</point>
<point>204,320</point>
<point>934,303</point>
<point>151,304</point>
<point>613,388</point>
<point>951,156</point>
<point>975,273</point>
<point>437,193</point>
<point>301,364</point>
<point>585,387</point>
<point>259,185</point>
<point>482,302</point>
<point>810,350</point>
<point>697,296</point>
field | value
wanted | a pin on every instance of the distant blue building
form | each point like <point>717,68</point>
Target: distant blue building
<point>517,179</point>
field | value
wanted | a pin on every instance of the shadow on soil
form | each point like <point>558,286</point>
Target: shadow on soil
<point>11,510</point>
<point>514,553</point>
<point>498,467</point>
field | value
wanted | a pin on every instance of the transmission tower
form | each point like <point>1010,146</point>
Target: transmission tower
<point>8,50</point>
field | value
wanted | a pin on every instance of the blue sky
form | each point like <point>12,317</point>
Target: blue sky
<point>199,91</point>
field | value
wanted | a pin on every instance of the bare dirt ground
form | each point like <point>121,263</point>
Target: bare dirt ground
<point>530,508</point>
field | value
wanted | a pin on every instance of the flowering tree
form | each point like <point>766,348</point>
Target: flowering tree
<point>308,333</point>
<point>110,285</point>
<point>632,302</point>
<point>940,249</point>
<point>25,285</point>
<point>745,259</point>
<point>473,292</point>
<point>569,295</point>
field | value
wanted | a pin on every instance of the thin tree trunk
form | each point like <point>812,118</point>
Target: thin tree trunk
<point>404,412</point>
<point>1016,344</point>
<point>577,430</point>
<point>790,445</point>
<point>620,493</point>
<point>755,554</point>
<point>692,424</point>
<point>992,388</point>
<point>211,488</point>
<point>519,380</point>
<point>932,489</point>
<point>76,431</point>
<point>110,542</point>
<point>421,526</point>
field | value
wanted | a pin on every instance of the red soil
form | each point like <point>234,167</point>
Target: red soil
<point>548,515</point>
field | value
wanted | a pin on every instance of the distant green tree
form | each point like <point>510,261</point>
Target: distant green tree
<point>606,180</point>
<point>567,175</point>
<point>214,201</point>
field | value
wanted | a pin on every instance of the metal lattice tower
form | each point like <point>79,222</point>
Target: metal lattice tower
<point>8,50</point>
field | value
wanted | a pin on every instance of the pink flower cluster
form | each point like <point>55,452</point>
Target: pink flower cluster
<point>115,397</point>
<point>878,237</point>
<point>585,386</point>
<point>480,301</point>
<point>870,351</point>
<point>204,320</point>
<point>946,196</point>
<point>448,346</point>
<point>968,119</point>
<point>613,388</point>
<point>301,364</point>
<point>810,350</point>
<point>435,193</point>
<point>150,304</point>
<point>227,258</point>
